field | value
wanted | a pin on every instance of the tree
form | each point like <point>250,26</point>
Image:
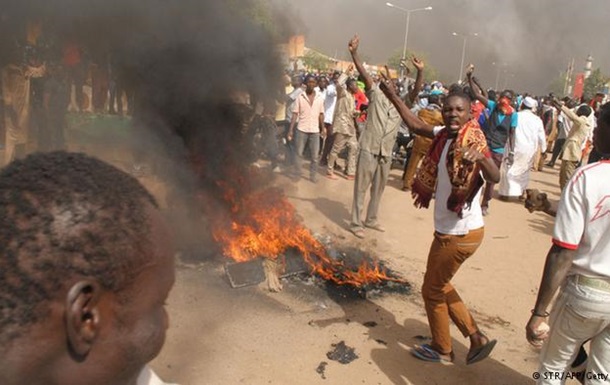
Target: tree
<point>595,83</point>
<point>557,86</point>
<point>316,61</point>
<point>261,13</point>
<point>430,73</point>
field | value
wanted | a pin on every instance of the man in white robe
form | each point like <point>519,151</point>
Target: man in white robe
<point>529,137</point>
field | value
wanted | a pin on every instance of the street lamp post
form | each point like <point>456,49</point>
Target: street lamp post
<point>497,74</point>
<point>465,38</point>
<point>498,71</point>
<point>408,12</point>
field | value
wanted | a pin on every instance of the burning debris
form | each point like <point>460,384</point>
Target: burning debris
<point>263,224</point>
<point>342,353</point>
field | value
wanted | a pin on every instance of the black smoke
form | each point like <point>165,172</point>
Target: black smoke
<point>185,60</point>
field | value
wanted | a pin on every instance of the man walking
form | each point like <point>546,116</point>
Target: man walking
<point>499,130</point>
<point>375,156</point>
<point>452,172</point>
<point>572,149</point>
<point>529,138</point>
<point>309,112</point>
<point>330,101</point>
<point>344,126</point>
<point>579,263</point>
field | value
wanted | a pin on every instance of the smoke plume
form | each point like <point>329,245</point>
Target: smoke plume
<point>185,61</point>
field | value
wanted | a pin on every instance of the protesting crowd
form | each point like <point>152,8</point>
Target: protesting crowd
<point>458,145</point>
<point>462,143</point>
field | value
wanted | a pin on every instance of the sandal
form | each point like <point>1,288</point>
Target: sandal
<point>480,353</point>
<point>375,226</point>
<point>426,352</point>
<point>358,232</point>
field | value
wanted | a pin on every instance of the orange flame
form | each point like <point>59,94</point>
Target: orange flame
<point>265,224</point>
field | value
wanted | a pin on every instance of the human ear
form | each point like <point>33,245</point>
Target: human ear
<point>82,317</point>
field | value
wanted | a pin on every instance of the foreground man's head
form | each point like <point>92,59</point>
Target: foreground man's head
<point>86,265</point>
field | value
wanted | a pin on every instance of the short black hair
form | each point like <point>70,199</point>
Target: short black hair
<point>65,215</point>
<point>309,77</point>
<point>434,99</point>
<point>584,110</point>
<point>456,91</point>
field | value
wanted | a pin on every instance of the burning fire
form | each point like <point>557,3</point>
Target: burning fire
<point>265,224</point>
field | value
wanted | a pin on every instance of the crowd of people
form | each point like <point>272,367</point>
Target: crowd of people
<point>465,140</point>
<point>90,307</point>
<point>43,78</point>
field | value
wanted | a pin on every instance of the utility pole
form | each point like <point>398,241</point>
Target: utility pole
<point>567,86</point>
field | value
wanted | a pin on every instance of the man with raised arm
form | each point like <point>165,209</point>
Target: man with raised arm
<point>375,156</point>
<point>344,125</point>
<point>453,172</point>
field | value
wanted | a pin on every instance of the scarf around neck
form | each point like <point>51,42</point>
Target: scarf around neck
<point>504,106</point>
<point>465,178</point>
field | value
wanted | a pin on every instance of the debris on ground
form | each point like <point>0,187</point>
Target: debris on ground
<point>342,353</point>
<point>321,369</point>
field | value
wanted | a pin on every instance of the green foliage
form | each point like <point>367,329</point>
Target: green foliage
<point>595,83</point>
<point>394,60</point>
<point>557,85</point>
<point>316,61</point>
<point>259,12</point>
<point>430,73</point>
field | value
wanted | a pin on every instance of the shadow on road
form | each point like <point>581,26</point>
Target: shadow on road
<point>395,339</point>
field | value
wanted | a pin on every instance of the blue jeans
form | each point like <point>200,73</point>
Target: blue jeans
<point>580,313</point>
<point>313,141</point>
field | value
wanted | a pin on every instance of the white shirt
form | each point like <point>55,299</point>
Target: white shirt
<point>148,377</point>
<point>330,102</point>
<point>566,126</point>
<point>290,103</point>
<point>529,134</point>
<point>309,114</point>
<point>583,220</point>
<point>321,93</point>
<point>445,220</point>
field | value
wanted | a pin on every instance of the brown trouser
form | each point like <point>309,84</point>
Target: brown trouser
<point>565,173</point>
<point>489,187</point>
<point>421,145</point>
<point>339,143</point>
<point>442,301</point>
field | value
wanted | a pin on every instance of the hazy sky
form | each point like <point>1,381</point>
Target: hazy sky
<point>535,38</point>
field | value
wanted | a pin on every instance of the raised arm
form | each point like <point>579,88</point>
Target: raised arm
<point>567,112</point>
<point>353,50</point>
<point>340,85</point>
<point>475,81</point>
<point>476,88</point>
<point>414,123</point>
<point>419,80</point>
